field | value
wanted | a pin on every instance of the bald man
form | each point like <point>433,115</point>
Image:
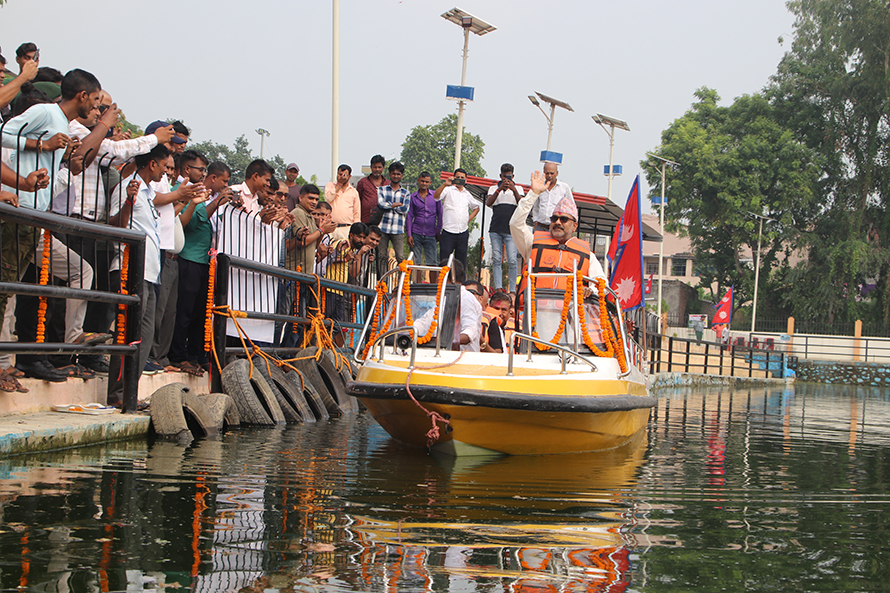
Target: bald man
<point>554,192</point>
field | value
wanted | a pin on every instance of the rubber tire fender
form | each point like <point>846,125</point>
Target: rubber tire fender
<point>222,410</point>
<point>291,414</point>
<point>293,394</point>
<point>311,396</point>
<point>167,415</point>
<point>247,391</point>
<point>201,419</point>
<point>334,379</point>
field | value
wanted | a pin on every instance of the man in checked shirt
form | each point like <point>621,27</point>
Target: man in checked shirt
<point>393,199</point>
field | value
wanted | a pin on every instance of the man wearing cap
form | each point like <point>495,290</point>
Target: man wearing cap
<point>346,206</point>
<point>554,192</point>
<point>555,249</point>
<point>293,188</point>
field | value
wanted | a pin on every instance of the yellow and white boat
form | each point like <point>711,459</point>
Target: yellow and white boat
<point>581,390</point>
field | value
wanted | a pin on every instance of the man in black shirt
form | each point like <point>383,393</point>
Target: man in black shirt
<point>502,199</point>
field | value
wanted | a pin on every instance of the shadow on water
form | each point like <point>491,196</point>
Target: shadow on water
<point>727,489</point>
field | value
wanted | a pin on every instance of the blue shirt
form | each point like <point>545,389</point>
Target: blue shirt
<point>42,121</point>
<point>393,222</point>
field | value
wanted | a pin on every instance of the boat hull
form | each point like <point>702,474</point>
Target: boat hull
<point>493,413</point>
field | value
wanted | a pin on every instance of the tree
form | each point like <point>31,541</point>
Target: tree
<point>237,158</point>
<point>832,90</point>
<point>431,148</point>
<point>735,160</point>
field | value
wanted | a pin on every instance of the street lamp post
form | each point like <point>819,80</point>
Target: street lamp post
<point>554,103</point>
<point>263,133</point>
<point>664,164</point>
<point>468,23</point>
<point>603,121</point>
<point>761,218</point>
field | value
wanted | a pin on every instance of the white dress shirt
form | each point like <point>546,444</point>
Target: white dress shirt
<point>166,214</point>
<point>456,205</point>
<point>547,201</point>
<point>143,218</point>
<point>470,321</point>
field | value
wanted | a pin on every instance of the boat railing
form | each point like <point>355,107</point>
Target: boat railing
<point>399,345</point>
<point>403,277</point>
<point>565,353</point>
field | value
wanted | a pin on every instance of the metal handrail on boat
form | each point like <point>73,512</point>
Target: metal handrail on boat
<point>566,352</point>
<point>394,332</point>
<point>441,301</point>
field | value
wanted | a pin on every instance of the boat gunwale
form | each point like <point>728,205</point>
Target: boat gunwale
<point>444,395</point>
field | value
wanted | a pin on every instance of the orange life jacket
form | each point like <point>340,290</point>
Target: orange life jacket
<point>549,255</point>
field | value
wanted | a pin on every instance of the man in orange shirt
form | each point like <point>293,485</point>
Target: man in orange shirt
<point>346,206</point>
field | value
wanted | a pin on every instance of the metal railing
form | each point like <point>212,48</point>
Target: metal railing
<point>710,358</point>
<point>132,301</point>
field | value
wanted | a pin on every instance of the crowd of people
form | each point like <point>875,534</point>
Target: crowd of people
<point>64,151</point>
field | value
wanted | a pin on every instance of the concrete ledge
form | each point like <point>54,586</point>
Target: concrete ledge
<point>667,380</point>
<point>43,395</point>
<point>45,431</point>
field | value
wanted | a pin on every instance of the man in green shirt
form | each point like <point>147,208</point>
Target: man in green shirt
<point>187,349</point>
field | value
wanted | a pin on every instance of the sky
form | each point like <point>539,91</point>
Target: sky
<point>227,67</point>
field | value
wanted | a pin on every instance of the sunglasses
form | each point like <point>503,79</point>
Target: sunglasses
<point>562,219</point>
<point>473,292</point>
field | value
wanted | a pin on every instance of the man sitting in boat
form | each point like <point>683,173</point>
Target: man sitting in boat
<point>553,250</point>
<point>468,331</point>
<point>494,320</point>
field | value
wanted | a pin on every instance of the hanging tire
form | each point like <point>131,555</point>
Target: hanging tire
<point>167,416</point>
<point>304,385</point>
<point>309,368</point>
<point>222,410</point>
<point>284,392</point>
<point>197,417</point>
<point>254,398</point>
<point>335,379</point>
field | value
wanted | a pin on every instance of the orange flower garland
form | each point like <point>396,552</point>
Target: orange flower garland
<point>432,330</point>
<point>44,280</point>
<point>381,293</point>
<point>208,320</point>
<point>563,315</point>
<point>614,347</point>
<point>122,308</point>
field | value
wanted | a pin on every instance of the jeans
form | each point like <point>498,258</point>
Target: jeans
<point>503,241</point>
<point>426,250</point>
<point>398,245</point>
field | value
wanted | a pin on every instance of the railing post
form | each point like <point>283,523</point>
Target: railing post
<point>688,353</point>
<point>857,339</point>
<point>731,359</point>
<point>130,366</point>
<point>670,354</point>
<point>707,352</point>
<point>220,299</point>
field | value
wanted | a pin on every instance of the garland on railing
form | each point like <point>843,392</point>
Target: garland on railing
<point>122,308</point>
<point>354,318</point>
<point>563,315</point>
<point>44,280</point>
<point>614,348</point>
<point>208,320</point>
<point>375,322</point>
<point>432,330</point>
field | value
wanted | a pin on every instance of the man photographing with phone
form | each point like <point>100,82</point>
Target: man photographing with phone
<point>459,209</point>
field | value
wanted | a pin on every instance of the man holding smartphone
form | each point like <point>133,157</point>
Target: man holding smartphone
<point>502,199</point>
<point>459,209</point>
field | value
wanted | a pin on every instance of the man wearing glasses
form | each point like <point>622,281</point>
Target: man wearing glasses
<point>555,249</point>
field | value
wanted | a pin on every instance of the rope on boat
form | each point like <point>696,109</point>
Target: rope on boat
<point>433,434</point>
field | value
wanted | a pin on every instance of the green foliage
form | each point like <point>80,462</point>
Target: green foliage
<point>431,148</point>
<point>237,158</point>
<point>735,160</point>
<point>832,89</point>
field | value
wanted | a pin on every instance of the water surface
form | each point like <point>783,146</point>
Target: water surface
<point>779,489</point>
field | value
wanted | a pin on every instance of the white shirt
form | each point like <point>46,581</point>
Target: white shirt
<point>166,214</point>
<point>547,201</point>
<point>92,203</point>
<point>506,196</point>
<point>470,321</point>
<point>457,203</point>
<point>144,219</point>
<point>251,204</point>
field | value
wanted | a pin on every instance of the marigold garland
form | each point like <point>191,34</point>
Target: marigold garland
<point>354,318</point>
<point>44,280</point>
<point>208,320</point>
<point>122,308</point>
<point>563,315</point>
<point>381,294</point>
<point>432,330</point>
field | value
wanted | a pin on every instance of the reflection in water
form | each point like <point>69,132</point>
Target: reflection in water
<point>760,489</point>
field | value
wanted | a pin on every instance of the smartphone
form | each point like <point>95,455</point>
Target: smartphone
<point>459,181</point>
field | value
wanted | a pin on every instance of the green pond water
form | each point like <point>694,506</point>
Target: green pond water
<point>760,489</point>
